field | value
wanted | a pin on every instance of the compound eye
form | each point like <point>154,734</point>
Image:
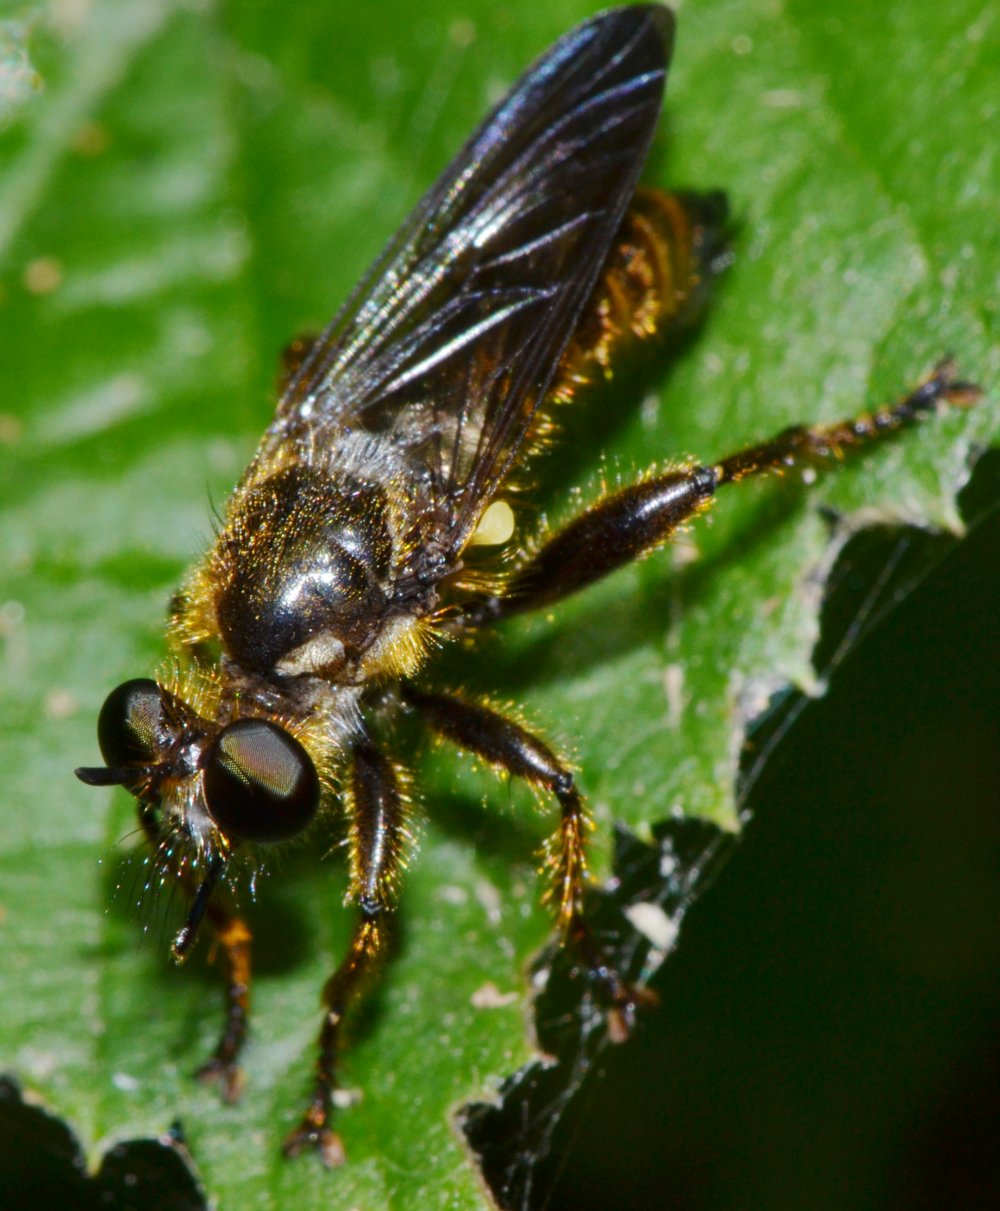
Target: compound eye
<point>131,725</point>
<point>260,783</point>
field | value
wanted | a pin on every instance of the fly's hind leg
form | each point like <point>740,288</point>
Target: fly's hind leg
<point>629,523</point>
<point>377,805</point>
<point>512,749</point>
<point>233,937</point>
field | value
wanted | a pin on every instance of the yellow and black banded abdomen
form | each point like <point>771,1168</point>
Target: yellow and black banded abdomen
<point>655,282</point>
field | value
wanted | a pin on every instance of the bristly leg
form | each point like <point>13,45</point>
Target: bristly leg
<point>377,805</point>
<point>615,531</point>
<point>512,749</point>
<point>800,443</point>
<point>233,936</point>
<point>629,523</point>
<point>341,991</point>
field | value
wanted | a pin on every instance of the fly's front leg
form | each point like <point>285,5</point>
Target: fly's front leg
<point>512,749</point>
<point>342,989</point>
<point>233,937</point>
<point>645,515</point>
<point>377,805</point>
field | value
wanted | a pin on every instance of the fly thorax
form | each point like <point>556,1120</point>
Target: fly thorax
<point>304,570</point>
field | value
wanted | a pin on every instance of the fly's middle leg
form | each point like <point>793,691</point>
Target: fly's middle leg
<point>512,749</point>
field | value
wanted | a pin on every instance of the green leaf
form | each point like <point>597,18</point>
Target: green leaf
<point>193,185</point>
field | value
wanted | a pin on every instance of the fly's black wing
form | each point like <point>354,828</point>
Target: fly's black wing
<point>449,343</point>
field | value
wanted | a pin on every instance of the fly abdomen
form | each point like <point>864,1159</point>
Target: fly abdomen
<point>655,281</point>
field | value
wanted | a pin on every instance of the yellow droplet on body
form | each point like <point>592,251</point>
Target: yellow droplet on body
<point>495,526</point>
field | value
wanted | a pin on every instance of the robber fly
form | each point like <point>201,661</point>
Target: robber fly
<point>352,548</point>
